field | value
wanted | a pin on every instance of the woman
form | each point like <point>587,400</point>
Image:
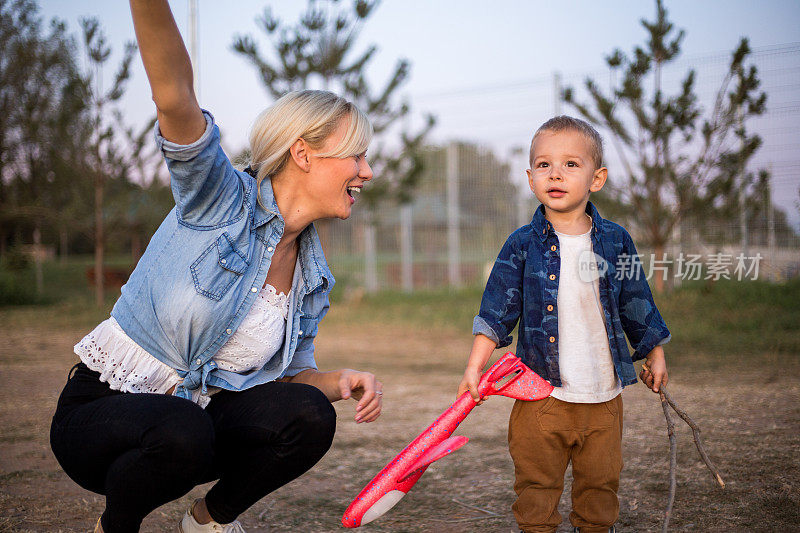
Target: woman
<point>205,369</point>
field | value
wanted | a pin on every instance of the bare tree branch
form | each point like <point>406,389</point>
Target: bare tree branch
<point>673,461</point>
<point>696,434</point>
<point>667,401</point>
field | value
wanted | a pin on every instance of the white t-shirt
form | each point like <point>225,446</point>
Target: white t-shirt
<point>584,357</point>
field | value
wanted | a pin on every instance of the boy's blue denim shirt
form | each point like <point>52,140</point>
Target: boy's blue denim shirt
<point>523,285</point>
<point>205,265</point>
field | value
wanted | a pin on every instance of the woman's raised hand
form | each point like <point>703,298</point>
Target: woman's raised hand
<point>169,71</point>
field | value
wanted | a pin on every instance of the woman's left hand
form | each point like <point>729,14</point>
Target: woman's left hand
<point>364,387</point>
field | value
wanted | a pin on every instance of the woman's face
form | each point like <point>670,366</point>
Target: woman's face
<point>336,183</point>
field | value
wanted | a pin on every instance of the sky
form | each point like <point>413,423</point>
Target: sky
<point>484,68</point>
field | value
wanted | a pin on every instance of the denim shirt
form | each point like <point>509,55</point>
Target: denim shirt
<point>523,285</point>
<point>206,263</point>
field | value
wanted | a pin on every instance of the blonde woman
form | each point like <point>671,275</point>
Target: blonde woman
<point>206,369</point>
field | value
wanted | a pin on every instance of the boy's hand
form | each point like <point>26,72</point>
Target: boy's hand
<point>482,348</point>
<point>470,383</point>
<point>654,370</point>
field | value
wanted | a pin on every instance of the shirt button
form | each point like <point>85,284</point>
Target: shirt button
<point>223,261</point>
<point>254,289</point>
<point>198,361</point>
<point>552,339</point>
<point>300,332</point>
<point>552,277</point>
<point>549,307</point>
<point>270,248</point>
<point>229,331</point>
<point>553,248</point>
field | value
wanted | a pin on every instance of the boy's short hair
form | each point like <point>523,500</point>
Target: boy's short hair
<point>565,122</point>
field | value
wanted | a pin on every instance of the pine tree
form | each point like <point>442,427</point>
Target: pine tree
<point>104,159</point>
<point>673,159</point>
<point>319,52</point>
<point>37,75</point>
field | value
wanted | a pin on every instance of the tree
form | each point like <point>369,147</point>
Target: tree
<point>674,160</point>
<point>766,224</point>
<point>140,207</point>
<point>68,163</point>
<point>103,156</point>
<point>316,52</point>
<point>38,78</point>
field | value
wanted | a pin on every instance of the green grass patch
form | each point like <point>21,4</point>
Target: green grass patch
<point>727,321</point>
<point>66,299</point>
<point>739,318</point>
<point>14,290</point>
<point>441,308</point>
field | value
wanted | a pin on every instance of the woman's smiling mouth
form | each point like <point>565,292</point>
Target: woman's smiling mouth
<point>352,191</point>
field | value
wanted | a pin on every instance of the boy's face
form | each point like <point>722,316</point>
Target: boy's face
<point>562,172</point>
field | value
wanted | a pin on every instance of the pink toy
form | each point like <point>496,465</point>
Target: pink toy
<point>507,377</point>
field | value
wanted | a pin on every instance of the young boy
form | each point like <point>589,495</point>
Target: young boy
<point>574,282</point>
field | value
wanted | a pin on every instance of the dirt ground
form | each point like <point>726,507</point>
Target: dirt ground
<point>750,419</point>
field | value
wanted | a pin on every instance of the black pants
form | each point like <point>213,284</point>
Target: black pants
<point>144,450</point>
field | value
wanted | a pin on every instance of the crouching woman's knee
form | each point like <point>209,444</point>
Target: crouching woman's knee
<point>315,420</point>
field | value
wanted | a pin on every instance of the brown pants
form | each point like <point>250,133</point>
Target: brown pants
<point>544,436</point>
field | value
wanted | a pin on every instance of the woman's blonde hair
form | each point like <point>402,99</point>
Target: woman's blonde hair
<point>309,115</point>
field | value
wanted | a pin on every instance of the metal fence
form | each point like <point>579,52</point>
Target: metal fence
<point>474,194</point>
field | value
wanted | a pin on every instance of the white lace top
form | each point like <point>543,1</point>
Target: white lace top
<point>127,367</point>
<point>259,336</point>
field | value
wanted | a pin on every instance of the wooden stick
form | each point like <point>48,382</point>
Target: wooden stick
<point>673,460</point>
<point>486,514</point>
<point>666,400</point>
<point>696,434</point>
<point>480,509</point>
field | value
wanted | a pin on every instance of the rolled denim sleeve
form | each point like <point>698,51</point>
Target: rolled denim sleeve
<point>481,327</point>
<point>501,303</point>
<point>185,152</point>
<point>208,191</point>
<point>641,321</point>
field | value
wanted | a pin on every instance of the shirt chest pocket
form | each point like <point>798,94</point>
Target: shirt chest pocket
<point>218,268</point>
<point>308,327</point>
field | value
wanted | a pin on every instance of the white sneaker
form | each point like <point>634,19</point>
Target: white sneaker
<point>189,525</point>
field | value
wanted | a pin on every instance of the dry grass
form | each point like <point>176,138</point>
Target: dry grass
<point>749,413</point>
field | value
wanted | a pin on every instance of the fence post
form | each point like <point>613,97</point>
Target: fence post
<point>772,261</point>
<point>193,48</point>
<point>519,160</point>
<point>37,259</point>
<point>406,249</point>
<point>742,191</point>
<point>522,206</point>
<point>453,217</point>
<point>556,93</point>
<point>677,244</point>
<point>370,257</point>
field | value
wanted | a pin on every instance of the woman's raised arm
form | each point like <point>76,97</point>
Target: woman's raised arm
<point>169,71</point>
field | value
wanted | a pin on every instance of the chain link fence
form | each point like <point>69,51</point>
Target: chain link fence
<point>473,193</point>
